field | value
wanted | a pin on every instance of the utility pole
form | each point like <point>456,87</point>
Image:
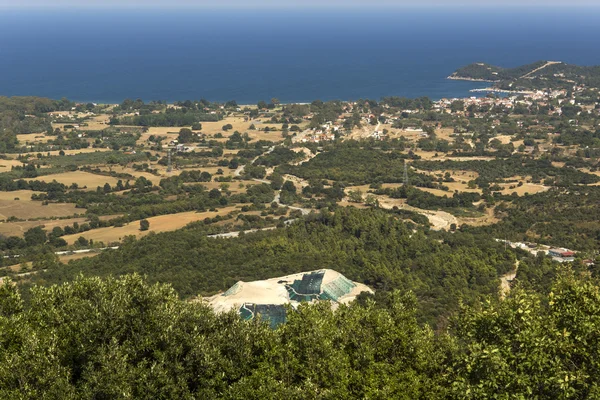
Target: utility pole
<point>169,167</point>
<point>405,173</point>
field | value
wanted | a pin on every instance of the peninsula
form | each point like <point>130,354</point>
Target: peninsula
<point>534,76</point>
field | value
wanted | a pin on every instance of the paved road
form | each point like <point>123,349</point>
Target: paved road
<point>241,168</point>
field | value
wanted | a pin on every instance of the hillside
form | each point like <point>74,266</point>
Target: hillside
<point>537,75</point>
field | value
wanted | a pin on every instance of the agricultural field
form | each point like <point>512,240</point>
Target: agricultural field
<point>81,178</point>
<point>8,165</point>
<point>158,224</point>
<point>34,209</point>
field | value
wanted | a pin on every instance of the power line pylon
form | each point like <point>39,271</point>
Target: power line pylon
<point>169,166</point>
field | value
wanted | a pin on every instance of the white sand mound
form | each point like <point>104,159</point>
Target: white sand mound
<point>273,291</point>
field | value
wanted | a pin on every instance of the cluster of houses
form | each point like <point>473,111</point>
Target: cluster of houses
<point>325,133</point>
<point>558,254</point>
<point>527,99</point>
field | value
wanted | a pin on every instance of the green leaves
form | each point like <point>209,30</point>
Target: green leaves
<point>125,339</point>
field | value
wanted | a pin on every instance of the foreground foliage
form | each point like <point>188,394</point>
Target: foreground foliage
<point>123,338</point>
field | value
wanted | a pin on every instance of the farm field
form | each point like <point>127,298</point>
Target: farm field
<point>22,195</point>
<point>81,178</point>
<point>530,188</point>
<point>18,228</point>
<point>7,165</point>
<point>32,138</point>
<point>126,170</point>
<point>77,151</point>
<point>25,208</point>
<point>158,224</point>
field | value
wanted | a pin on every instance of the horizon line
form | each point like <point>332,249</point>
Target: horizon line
<point>295,7</point>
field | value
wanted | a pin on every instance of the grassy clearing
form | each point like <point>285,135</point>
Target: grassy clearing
<point>18,228</point>
<point>23,209</point>
<point>83,179</point>
<point>6,165</point>
<point>77,151</point>
<point>161,223</point>
<point>22,195</point>
<point>34,138</point>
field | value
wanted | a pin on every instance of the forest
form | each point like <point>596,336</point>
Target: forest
<point>369,246</point>
<point>560,217</point>
<point>124,337</point>
<point>353,164</point>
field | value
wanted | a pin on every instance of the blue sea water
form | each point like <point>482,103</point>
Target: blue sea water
<point>296,56</point>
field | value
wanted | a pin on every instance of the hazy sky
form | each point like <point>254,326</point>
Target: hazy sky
<point>283,3</point>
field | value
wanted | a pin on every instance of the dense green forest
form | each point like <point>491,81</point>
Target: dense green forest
<point>369,246</point>
<point>564,218</point>
<point>355,165</point>
<point>124,338</point>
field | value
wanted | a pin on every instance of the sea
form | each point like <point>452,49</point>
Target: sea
<point>293,55</point>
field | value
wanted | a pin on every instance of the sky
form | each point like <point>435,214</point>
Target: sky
<point>300,4</point>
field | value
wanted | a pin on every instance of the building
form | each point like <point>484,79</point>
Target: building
<point>562,255</point>
<point>268,298</point>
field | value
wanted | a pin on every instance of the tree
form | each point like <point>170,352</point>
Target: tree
<point>35,236</point>
<point>143,184</point>
<point>214,193</point>
<point>82,242</point>
<point>144,225</point>
<point>457,105</point>
<point>288,186</point>
<point>262,105</point>
<point>355,196</point>
<point>197,126</point>
<point>185,135</point>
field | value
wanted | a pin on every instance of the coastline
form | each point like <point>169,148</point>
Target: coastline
<point>491,89</point>
<point>460,78</point>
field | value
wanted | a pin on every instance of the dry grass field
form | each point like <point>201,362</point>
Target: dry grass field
<point>72,257</point>
<point>6,165</point>
<point>238,123</point>
<point>504,139</point>
<point>23,209</point>
<point>22,195</point>
<point>170,132</point>
<point>151,177</point>
<point>437,192</point>
<point>18,228</point>
<point>234,187</point>
<point>162,223</point>
<point>76,151</point>
<point>33,138</point>
<point>488,218</point>
<point>83,179</point>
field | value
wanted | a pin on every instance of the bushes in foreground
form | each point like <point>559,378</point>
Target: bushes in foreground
<point>122,338</point>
